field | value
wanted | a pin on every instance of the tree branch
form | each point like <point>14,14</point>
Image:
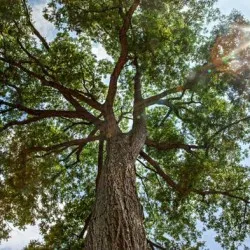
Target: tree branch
<point>123,56</point>
<point>227,126</point>
<point>160,172</point>
<point>138,104</point>
<point>66,92</point>
<point>155,99</point>
<point>63,145</point>
<point>73,124</point>
<point>224,193</point>
<point>190,82</point>
<point>145,166</point>
<point>43,113</point>
<point>139,120</point>
<point>86,224</point>
<point>35,31</point>
<point>178,188</point>
<point>153,245</point>
<point>168,146</point>
<point>24,122</point>
<point>92,133</point>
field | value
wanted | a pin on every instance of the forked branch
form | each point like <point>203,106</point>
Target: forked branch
<point>178,188</point>
<point>190,82</point>
<point>68,93</point>
<point>123,58</point>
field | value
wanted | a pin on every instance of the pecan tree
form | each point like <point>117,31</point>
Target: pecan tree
<point>137,151</point>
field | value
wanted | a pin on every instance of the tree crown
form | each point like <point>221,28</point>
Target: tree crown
<point>164,77</point>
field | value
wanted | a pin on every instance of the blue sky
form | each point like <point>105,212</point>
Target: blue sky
<point>20,238</point>
<point>243,6</point>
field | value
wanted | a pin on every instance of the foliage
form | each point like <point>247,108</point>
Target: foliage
<point>195,89</point>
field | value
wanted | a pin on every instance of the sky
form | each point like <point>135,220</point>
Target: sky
<point>19,238</point>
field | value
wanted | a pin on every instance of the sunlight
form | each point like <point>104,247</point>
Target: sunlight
<point>245,28</point>
<point>231,52</point>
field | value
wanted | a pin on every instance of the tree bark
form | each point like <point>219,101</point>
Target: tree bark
<point>117,216</point>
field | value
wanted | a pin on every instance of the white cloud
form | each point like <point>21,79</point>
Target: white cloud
<point>100,52</point>
<point>46,28</point>
<point>19,239</point>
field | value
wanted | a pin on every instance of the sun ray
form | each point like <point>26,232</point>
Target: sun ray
<point>231,52</point>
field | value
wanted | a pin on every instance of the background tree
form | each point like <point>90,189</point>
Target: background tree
<point>163,120</point>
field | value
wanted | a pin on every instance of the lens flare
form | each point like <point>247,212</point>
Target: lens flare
<point>231,52</point>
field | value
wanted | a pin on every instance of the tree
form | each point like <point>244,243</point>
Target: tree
<point>85,142</point>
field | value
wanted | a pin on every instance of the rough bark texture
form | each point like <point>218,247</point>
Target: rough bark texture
<point>117,217</point>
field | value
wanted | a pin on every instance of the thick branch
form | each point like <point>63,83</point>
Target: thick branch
<point>138,135</point>
<point>66,92</point>
<point>44,113</point>
<point>24,122</point>
<point>63,145</point>
<point>81,111</point>
<point>79,150</point>
<point>178,188</point>
<point>123,56</point>
<point>159,171</point>
<point>138,101</point>
<point>190,82</point>
<point>155,99</point>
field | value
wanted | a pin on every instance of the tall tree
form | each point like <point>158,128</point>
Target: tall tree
<point>132,152</point>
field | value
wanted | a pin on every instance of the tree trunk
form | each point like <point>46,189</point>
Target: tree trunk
<point>117,217</point>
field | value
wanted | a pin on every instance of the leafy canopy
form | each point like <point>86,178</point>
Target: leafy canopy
<point>194,87</point>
